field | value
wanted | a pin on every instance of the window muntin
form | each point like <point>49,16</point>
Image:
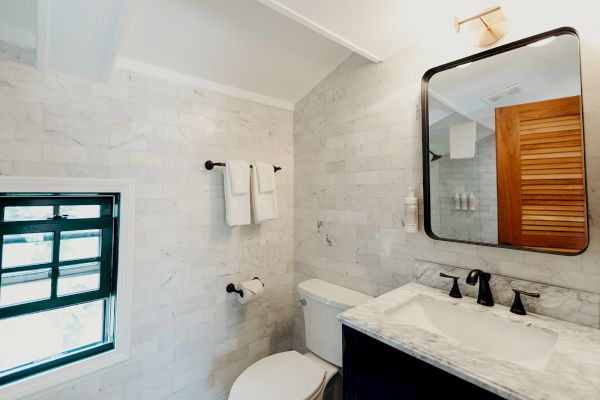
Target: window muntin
<point>64,286</point>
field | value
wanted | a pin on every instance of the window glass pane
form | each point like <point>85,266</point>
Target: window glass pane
<point>27,213</point>
<point>79,278</point>
<point>86,211</point>
<point>27,249</point>
<point>33,337</point>
<point>26,286</point>
<point>76,245</point>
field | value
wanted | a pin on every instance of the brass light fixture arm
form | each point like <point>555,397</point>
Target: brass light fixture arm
<point>458,23</point>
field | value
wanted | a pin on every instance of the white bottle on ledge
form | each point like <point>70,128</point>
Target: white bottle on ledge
<point>463,201</point>
<point>411,211</point>
<point>472,202</point>
<point>456,201</point>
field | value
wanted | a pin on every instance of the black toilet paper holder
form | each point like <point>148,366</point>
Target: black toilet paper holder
<point>231,287</point>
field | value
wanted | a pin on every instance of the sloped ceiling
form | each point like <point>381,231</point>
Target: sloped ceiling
<point>542,73</point>
<point>370,28</point>
<point>240,44</point>
<point>270,51</point>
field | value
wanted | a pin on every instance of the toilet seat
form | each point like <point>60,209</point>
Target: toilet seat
<point>287,375</point>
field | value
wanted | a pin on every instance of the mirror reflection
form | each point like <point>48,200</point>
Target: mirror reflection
<point>506,154</point>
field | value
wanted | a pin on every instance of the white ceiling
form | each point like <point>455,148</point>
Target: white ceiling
<point>270,51</point>
<point>371,28</point>
<point>546,72</point>
<point>240,44</point>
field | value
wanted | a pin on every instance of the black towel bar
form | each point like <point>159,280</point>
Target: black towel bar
<point>209,165</point>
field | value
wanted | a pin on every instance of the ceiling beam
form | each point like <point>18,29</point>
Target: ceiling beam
<point>80,37</point>
<point>280,8</point>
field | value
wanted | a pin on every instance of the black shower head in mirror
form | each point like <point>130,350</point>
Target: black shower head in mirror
<point>434,157</point>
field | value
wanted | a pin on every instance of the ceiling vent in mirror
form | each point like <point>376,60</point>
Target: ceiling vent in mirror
<point>494,98</point>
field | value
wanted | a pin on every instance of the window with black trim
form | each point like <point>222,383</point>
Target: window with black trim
<point>58,265</point>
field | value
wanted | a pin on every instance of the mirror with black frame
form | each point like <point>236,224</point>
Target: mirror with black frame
<point>503,147</point>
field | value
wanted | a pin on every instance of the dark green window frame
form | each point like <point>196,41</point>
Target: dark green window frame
<point>108,223</point>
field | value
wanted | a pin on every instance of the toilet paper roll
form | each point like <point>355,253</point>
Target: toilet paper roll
<point>252,290</point>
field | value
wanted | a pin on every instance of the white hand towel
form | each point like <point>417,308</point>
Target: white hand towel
<point>264,204</point>
<point>238,176</point>
<point>266,177</point>
<point>237,202</point>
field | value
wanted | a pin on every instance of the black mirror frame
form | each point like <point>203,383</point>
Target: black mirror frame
<point>425,132</point>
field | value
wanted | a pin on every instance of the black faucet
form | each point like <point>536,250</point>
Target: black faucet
<point>484,297</point>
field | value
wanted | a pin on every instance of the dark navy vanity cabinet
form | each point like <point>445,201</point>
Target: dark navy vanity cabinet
<point>375,371</point>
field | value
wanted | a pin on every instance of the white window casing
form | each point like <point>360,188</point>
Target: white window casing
<point>82,368</point>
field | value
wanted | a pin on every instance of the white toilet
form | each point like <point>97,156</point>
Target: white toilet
<point>291,375</point>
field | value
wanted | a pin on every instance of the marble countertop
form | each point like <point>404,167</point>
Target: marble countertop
<point>572,372</point>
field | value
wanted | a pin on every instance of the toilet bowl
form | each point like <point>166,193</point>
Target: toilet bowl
<point>294,376</point>
<point>287,375</point>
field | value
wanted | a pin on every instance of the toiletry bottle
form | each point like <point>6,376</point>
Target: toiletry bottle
<point>463,201</point>
<point>456,201</point>
<point>411,211</point>
<point>471,202</point>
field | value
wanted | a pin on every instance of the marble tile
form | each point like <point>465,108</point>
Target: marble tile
<point>572,370</point>
<point>557,302</point>
<point>190,338</point>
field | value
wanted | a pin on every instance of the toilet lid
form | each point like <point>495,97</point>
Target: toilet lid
<point>287,375</point>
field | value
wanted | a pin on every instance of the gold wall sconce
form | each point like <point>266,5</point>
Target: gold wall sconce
<point>489,26</point>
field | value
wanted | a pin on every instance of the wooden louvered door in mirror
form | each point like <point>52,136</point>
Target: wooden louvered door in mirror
<point>541,176</point>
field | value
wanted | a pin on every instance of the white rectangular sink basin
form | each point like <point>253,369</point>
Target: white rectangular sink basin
<point>492,334</point>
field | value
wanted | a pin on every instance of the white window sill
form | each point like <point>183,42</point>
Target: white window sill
<point>60,375</point>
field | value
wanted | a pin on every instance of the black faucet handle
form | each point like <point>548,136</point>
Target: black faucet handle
<point>455,291</point>
<point>530,294</point>
<point>517,306</point>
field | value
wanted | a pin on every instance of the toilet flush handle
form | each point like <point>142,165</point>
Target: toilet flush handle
<point>302,301</point>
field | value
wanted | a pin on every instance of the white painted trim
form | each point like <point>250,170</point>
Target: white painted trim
<point>457,109</point>
<point>17,36</point>
<point>129,64</point>
<point>447,103</point>
<point>41,50</point>
<point>288,12</point>
<point>67,373</point>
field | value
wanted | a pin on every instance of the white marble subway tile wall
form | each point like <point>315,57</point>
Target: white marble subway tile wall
<point>190,338</point>
<point>477,176</point>
<point>357,149</point>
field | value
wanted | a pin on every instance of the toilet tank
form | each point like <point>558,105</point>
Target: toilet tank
<point>324,301</point>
